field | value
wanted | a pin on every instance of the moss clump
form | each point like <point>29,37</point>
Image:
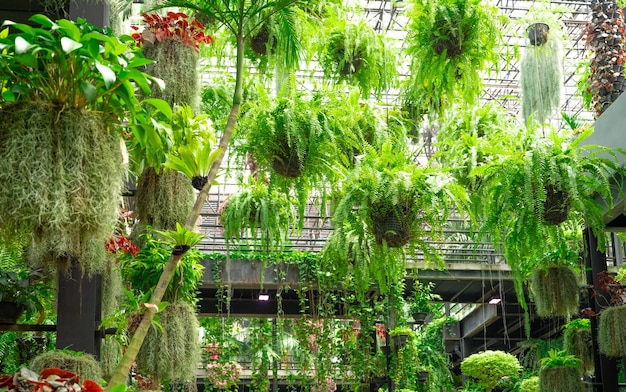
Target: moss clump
<point>163,198</point>
<point>556,291</point>
<point>561,379</point>
<point>85,365</point>
<point>176,64</point>
<point>172,354</point>
<point>62,174</point>
<point>611,331</point>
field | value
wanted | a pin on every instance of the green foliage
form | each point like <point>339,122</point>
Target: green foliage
<point>404,363</point>
<point>85,365</point>
<point>142,272</point>
<point>32,289</point>
<point>422,299</point>
<point>386,204</point>
<point>530,384</point>
<point>432,355</point>
<point>541,80</point>
<point>243,20</point>
<point>352,51</point>
<point>72,65</point>
<point>292,136</point>
<point>489,367</point>
<point>560,372</point>
<point>258,215</point>
<point>514,201</point>
<point>556,291</point>
<point>172,353</point>
<point>63,176</point>
<point>450,43</point>
<point>182,236</point>
<point>577,341</point>
<point>611,336</point>
<point>471,136</point>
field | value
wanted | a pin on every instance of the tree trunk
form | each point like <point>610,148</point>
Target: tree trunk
<point>121,373</point>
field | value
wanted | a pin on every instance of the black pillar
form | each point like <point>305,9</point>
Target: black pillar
<point>79,311</point>
<point>605,368</point>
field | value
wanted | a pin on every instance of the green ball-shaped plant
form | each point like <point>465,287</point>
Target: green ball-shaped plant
<point>489,367</point>
<point>530,384</point>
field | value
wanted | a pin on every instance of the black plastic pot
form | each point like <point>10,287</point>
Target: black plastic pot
<point>538,33</point>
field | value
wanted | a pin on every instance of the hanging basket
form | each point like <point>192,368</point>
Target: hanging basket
<point>260,42</point>
<point>556,206</point>
<point>561,379</point>
<point>611,331</point>
<point>538,33</point>
<point>390,225</point>
<point>556,291</point>
<point>287,161</point>
<point>578,342</point>
<point>451,47</point>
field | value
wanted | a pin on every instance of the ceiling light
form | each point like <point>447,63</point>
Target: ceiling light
<point>264,297</point>
<point>495,301</point>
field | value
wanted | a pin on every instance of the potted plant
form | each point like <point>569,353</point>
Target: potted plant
<point>541,66</point>
<point>259,213</point>
<point>421,301</point>
<point>223,375</point>
<point>577,341</point>
<point>468,138</point>
<point>172,41</point>
<point>401,335</point>
<point>609,294</point>
<point>539,183</point>
<point>450,42</point>
<point>292,139</point>
<point>555,283</point>
<point>541,77</point>
<point>560,372</point>
<point>489,367</point>
<point>62,98</point>
<point>193,151</point>
<point>383,208</point>
<point>352,51</point>
<point>52,379</point>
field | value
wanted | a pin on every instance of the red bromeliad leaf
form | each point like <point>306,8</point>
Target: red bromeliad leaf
<point>7,381</point>
<point>92,386</point>
<point>47,372</point>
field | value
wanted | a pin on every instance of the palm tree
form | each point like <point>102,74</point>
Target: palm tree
<point>239,17</point>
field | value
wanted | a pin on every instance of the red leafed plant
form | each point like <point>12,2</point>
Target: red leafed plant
<point>119,242</point>
<point>608,290</point>
<point>49,380</point>
<point>174,25</point>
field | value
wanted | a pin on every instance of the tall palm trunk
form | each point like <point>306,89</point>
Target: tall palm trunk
<point>121,373</point>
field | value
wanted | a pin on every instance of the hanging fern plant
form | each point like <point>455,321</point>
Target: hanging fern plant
<point>352,51</point>
<point>385,205</point>
<point>450,42</point>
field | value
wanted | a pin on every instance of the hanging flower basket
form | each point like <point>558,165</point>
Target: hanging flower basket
<point>538,33</point>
